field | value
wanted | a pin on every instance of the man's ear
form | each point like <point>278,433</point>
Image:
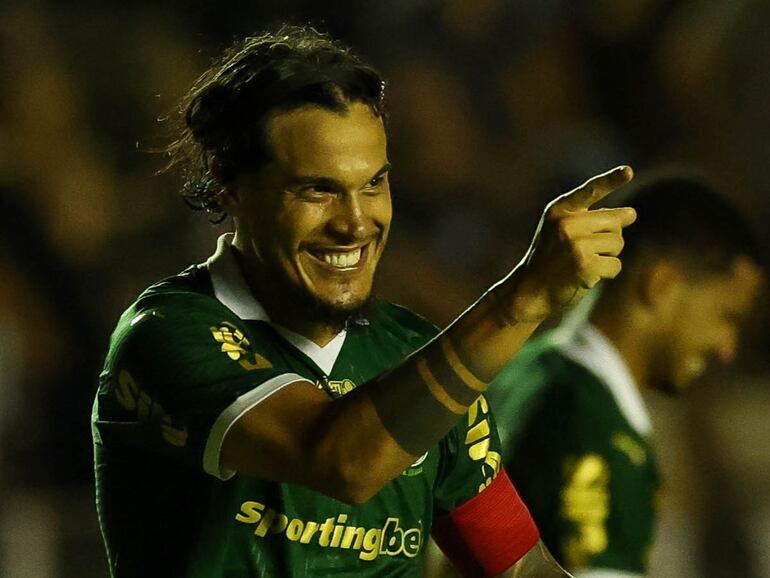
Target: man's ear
<point>660,284</point>
<point>229,199</point>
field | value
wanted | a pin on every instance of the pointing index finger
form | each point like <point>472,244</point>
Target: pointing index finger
<point>595,189</point>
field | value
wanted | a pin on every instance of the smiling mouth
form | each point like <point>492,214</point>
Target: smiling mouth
<point>340,260</point>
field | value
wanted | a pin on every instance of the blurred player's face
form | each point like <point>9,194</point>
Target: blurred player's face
<point>317,217</point>
<point>704,324</point>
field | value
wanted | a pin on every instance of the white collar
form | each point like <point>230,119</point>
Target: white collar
<point>324,357</point>
<point>587,346</point>
<point>231,289</point>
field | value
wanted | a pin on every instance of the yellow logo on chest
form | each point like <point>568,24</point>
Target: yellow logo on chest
<point>237,347</point>
<point>339,387</point>
<point>585,501</point>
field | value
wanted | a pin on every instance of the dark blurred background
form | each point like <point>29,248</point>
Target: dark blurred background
<point>496,106</point>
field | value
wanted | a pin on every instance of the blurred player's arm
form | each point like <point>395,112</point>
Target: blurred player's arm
<point>351,447</point>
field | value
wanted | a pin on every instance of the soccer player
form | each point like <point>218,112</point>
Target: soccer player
<point>261,414</point>
<point>574,428</point>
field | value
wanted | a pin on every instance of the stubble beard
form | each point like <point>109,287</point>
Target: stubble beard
<point>282,297</point>
<point>332,315</point>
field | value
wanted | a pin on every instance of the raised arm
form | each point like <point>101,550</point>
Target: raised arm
<point>351,447</point>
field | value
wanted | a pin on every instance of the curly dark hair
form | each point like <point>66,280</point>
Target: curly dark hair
<point>221,119</point>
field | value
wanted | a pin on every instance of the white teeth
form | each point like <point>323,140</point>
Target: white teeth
<point>342,260</point>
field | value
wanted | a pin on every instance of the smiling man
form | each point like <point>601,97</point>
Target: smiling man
<point>262,414</point>
<point>575,430</point>
<point>304,247</point>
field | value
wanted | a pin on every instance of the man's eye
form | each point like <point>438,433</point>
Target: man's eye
<point>314,190</point>
<point>376,181</point>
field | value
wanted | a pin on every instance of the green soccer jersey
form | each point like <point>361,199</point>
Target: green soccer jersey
<point>576,439</point>
<point>189,357</point>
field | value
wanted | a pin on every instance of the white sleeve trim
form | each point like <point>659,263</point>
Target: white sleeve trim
<point>232,414</point>
<point>604,573</point>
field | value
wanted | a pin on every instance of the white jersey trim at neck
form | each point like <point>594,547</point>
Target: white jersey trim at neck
<point>323,356</point>
<point>587,346</point>
<point>231,289</point>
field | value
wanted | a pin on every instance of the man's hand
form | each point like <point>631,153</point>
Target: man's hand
<point>574,248</point>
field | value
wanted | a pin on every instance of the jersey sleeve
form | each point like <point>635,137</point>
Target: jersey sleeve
<point>481,523</point>
<point>470,458</point>
<point>178,374</point>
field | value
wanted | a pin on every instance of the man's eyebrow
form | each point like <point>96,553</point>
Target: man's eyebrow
<point>385,168</point>
<point>315,180</point>
<point>323,180</point>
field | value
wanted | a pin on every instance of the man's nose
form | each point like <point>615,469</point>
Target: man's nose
<point>349,219</point>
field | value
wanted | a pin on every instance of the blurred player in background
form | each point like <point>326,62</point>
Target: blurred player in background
<point>261,414</point>
<point>574,428</point>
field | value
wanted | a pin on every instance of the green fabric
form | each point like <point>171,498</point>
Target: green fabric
<point>589,478</point>
<point>176,360</point>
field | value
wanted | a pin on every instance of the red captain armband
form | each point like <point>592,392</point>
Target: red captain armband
<point>489,533</point>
